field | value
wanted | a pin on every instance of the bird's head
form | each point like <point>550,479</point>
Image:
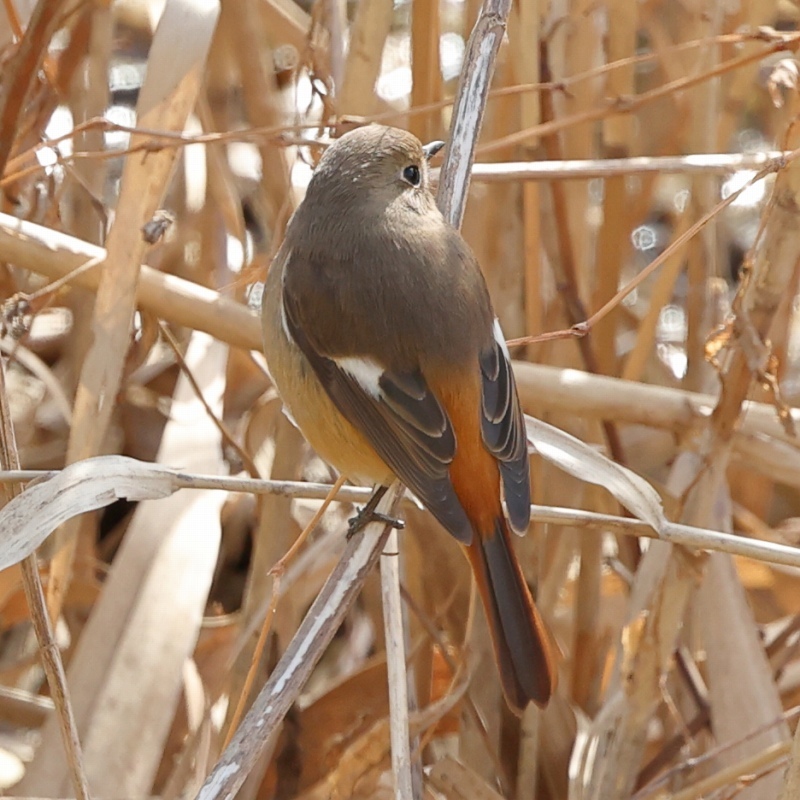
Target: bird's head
<point>374,165</point>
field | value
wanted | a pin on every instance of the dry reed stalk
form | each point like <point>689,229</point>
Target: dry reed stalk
<point>613,242</point>
<point>589,644</point>
<point>243,25</point>
<point>574,47</point>
<point>40,619</point>
<point>84,213</point>
<point>222,185</point>
<point>169,297</point>
<point>531,732</point>
<point>705,253</point>
<point>89,99</point>
<point>368,34</point>
<point>14,22</point>
<point>335,21</point>
<point>739,89</point>
<point>524,37</point>
<point>407,778</point>
<point>581,169</point>
<point>165,102</point>
<point>291,673</point>
<point>426,71</point>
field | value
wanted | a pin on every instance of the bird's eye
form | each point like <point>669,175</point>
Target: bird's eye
<point>412,174</point>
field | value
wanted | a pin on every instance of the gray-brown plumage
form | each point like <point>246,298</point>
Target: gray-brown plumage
<point>381,338</point>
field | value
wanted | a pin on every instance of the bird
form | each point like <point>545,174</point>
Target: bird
<point>381,339</point>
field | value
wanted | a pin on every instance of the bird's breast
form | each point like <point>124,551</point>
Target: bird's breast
<point>333,438</point>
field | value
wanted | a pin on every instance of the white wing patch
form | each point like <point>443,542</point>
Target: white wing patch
<point>285,323</point>
<point>364,371</point>
<point>284,320</point>
<point>499,338</point>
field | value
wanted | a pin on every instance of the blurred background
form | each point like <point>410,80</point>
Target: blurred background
<point>676,665</point>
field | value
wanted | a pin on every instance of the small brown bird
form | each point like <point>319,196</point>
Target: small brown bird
<point>380,335</point>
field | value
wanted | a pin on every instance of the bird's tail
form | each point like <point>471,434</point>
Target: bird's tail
<point>521,642</point>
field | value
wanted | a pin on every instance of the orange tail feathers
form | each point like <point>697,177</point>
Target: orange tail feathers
<point>521,641</point>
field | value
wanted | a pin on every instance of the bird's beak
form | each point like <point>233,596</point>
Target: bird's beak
<point>431,149</point>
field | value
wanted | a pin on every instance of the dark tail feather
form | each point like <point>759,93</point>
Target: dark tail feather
<point>521,641</point>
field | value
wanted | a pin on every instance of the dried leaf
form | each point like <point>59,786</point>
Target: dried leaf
<point>585,463</point>
<point>84,486</point>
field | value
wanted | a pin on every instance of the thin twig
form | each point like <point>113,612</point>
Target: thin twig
<point>277,572</point>
<point>27,164</point>
<point>679,772</point>
<point>696,537</point>
<point>627,105</point>
<point>56,255</point>
<point>306,648</point>
<point>40,619</point>
<point>728,775</point>
<point>227,437</point>
<point>21,69</point>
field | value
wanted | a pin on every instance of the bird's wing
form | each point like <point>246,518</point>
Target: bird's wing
<point>397,413</point>
<point>503,429</point>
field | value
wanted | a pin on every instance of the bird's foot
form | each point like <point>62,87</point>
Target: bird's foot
<point>368,514</point>
<point>361,520</point>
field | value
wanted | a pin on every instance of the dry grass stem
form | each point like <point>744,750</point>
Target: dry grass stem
<point>177,300</point>
<point>319,626</point>
<point>65,494</point>
<point>396,634</point>
<point>634,208</point>
<point>583,169</point>
<point>42,624</point>
<point>468,108</point>
<point>277,571</point>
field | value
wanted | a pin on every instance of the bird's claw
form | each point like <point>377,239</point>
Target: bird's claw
<point>367,515</point>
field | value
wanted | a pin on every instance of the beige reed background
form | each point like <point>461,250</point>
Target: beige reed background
<point>636,159</point>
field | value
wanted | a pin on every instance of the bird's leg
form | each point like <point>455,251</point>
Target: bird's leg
<point>368,514</point>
